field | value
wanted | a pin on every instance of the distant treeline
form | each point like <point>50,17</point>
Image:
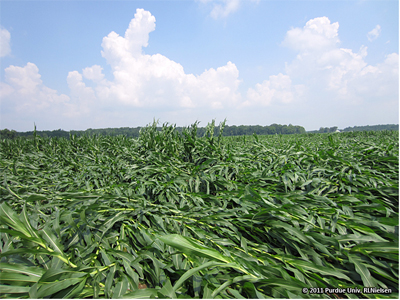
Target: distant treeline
<point>134,132</point>
<point>357,128</point>
<point>228,131</point>
<point>372,128</point>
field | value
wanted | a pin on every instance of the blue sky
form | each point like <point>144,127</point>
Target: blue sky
<point>96,64</point>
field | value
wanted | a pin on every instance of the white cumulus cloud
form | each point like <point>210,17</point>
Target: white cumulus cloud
<point>330,83</point>
<point>277,89</point>
<point>25,99</point>
<point>324,80</point>
<point>117,48</point>
<point>5,37</point>
<point>344,74</point>
<point>93,73</point>
<point>318,34</point>
<point>374,33</point>
<point>25,92</point>
<point>142,80</point>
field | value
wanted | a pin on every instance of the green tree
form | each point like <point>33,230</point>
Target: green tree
<point>8,134</point>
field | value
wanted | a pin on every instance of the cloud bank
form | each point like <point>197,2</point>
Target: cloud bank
<point>142,80</point>
<point>342,74</point>
<point>325,72</point>
<point>24,99</point>
<point>326,83</point>
<point>322,75</point>
<point>28,92</point>
<point>277,89</point>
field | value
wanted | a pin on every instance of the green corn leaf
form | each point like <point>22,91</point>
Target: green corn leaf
<point>9,217</point>
<point>291,230</point>
<point>193,271</point>
<point>191,247</point>
<point>54,274</point>
<point>167,290</point>
<point>132,274</point>
<point>96,286</point>
<point>317,269</point>
<point>15,233</point>
<point>54,287</point>
<point>8,277</point>
<point>235,293</point>
<point>111,221</point>
<point>71,291</point>
<point>11,289</point>
<point>33,291</point>
<point>25,220</point>
<point>49,236</point>
<point>105,257</point>
<point>358,238</point>
<point>29,252</point>
<point>361,269</point>
<point>376,270</point>
<point>141,294</point>
<point>120,288</point>
<point>196,283</point>
<point>377,247</point>
<point>229,282</point>
<point>109,281</point>
<point>293,284</point>
<point>18,268</point>
<point>121,255</point>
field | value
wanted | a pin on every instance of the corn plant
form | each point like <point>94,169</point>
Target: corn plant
<point>173,215</point>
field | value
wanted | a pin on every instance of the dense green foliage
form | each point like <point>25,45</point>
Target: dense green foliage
<point>134,132</point>
<point>357,128</point>
<point>8,134</point>
<point>228,131</point>
<point>173,215</point>
<point>372,128</point>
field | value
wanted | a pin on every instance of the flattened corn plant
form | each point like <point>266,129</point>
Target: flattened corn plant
<point>172,215</point>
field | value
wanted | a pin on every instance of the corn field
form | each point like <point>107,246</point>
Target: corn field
<point>173,215</point>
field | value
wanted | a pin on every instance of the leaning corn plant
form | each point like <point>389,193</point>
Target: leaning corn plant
<point>174,215</point>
